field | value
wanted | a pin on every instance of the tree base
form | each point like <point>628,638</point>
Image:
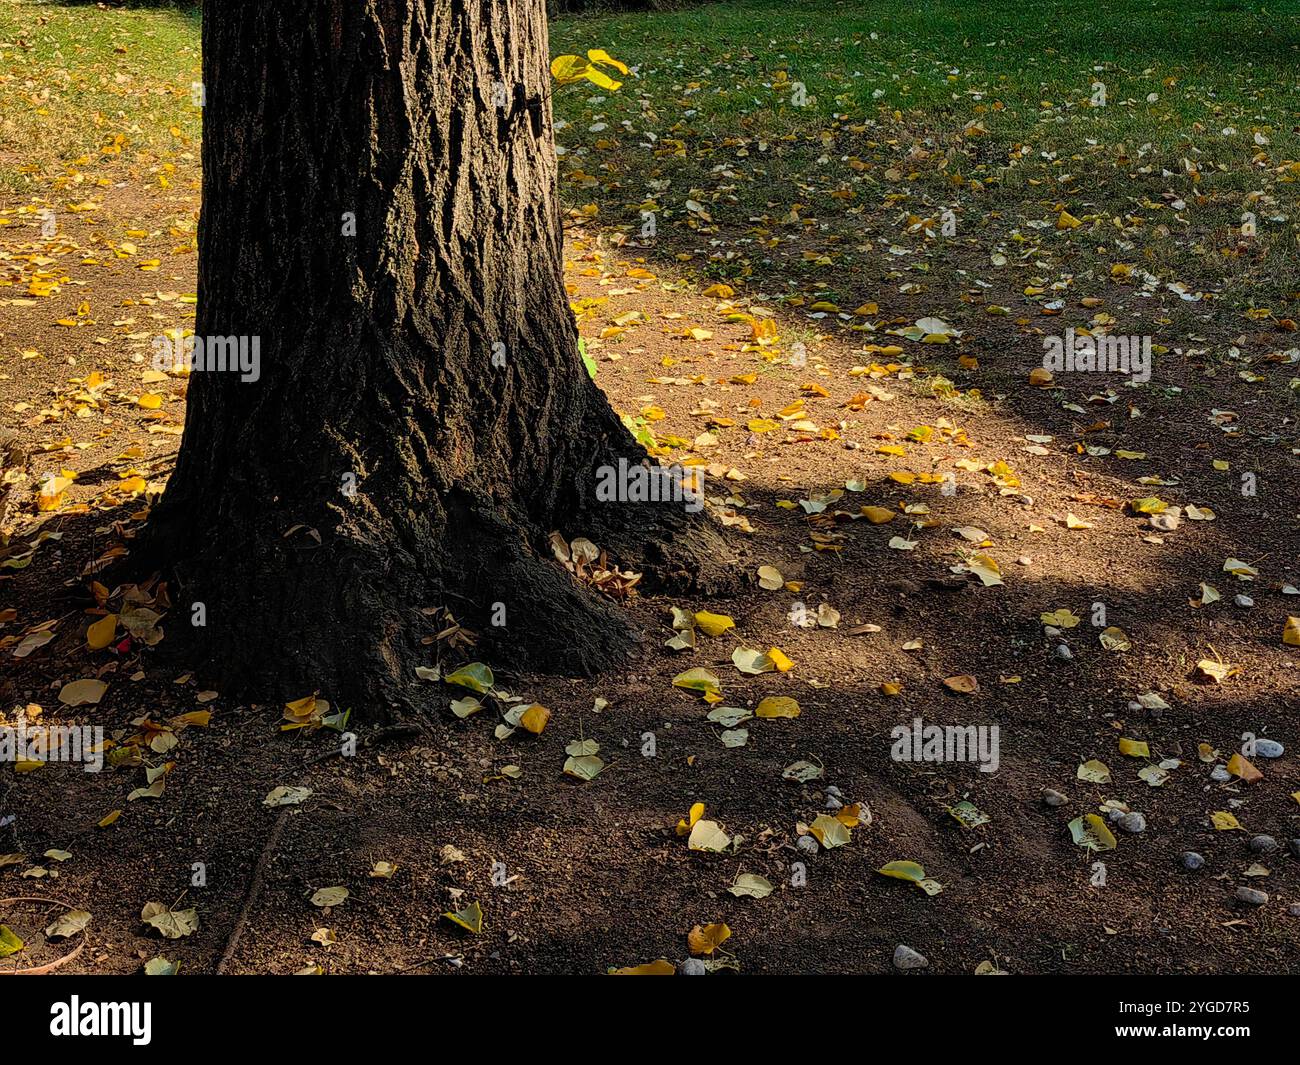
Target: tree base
<point>351,611</point>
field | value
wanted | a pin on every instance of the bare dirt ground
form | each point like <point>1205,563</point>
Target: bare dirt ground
<point>578,877</point>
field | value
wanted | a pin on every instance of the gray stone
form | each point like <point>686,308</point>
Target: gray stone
<point>1192,861</point>
<point>907,958</point>
<point>1251,896</point>
<point>807,844</point>
<point>1063,651</point>
<point>1269,749</point>
<point>1133,822</point>
<point>1263,844</point>
<point>692,967</point>
<point>1243,601</point>
<point>1054,798</point>
<point>1220,775</point>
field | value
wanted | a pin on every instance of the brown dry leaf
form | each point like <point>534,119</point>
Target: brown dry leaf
<point>82,692</point>
<point>707,939</point>
<point>662,967</point>
<point>1216,671</point>
<point>1240,766</point>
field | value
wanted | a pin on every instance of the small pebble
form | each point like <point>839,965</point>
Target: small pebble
<point>907,958</point>
<point>1220,774</point>
<point>1192,861</point>
<point>1269,748</point>
<point>1252,896</point>
<point>1294,909</point>
<point>1133,823</point>
<point>1063,651</point>
<point>832,803</point>
<point>831,789</point>
<point>1263,844</point>
<point>691,967</point>
<point>807,843</point>
<point>1054,798</point>
<point>1244,601</point>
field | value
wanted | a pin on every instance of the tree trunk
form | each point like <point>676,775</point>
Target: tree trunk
<point>421,418</point>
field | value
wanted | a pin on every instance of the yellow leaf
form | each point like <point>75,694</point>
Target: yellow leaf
<point>830,832</point>
<point>662,967</point>
<point>912,871</point>
<point>1291,632</point>
<point>1115,639</point>
<point>599,55</point>
<point>1091,831</point>
<point>684,827</point>
<point>601,79</point>
<point>534,719</point>
<point>100,634</point>
<point>1240,766</point>
<point>567,69</point>
<point>1217,671</point>
<point>777,706</point>
<point>1096,771</point>
<point>82,692</point>
<point>1062,618</point>
<point>714,624</point>
<point>470,918</point>
<point>707,939</point>
<point>698,679</point>
<point>782,663</point>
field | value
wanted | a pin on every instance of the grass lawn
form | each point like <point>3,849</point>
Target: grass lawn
<point>87,94</point>
<point>984,109</point>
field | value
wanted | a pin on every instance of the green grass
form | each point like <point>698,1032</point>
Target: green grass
<point>913,107</point>
<point>75,78</point>
<point>894,87</point>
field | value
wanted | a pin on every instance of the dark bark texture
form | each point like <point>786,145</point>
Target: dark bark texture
<point>430,359</point>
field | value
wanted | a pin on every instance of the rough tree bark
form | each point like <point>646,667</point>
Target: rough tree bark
<point>377,358</point>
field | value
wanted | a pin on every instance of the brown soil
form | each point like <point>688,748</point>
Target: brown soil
<point>596,874</point>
